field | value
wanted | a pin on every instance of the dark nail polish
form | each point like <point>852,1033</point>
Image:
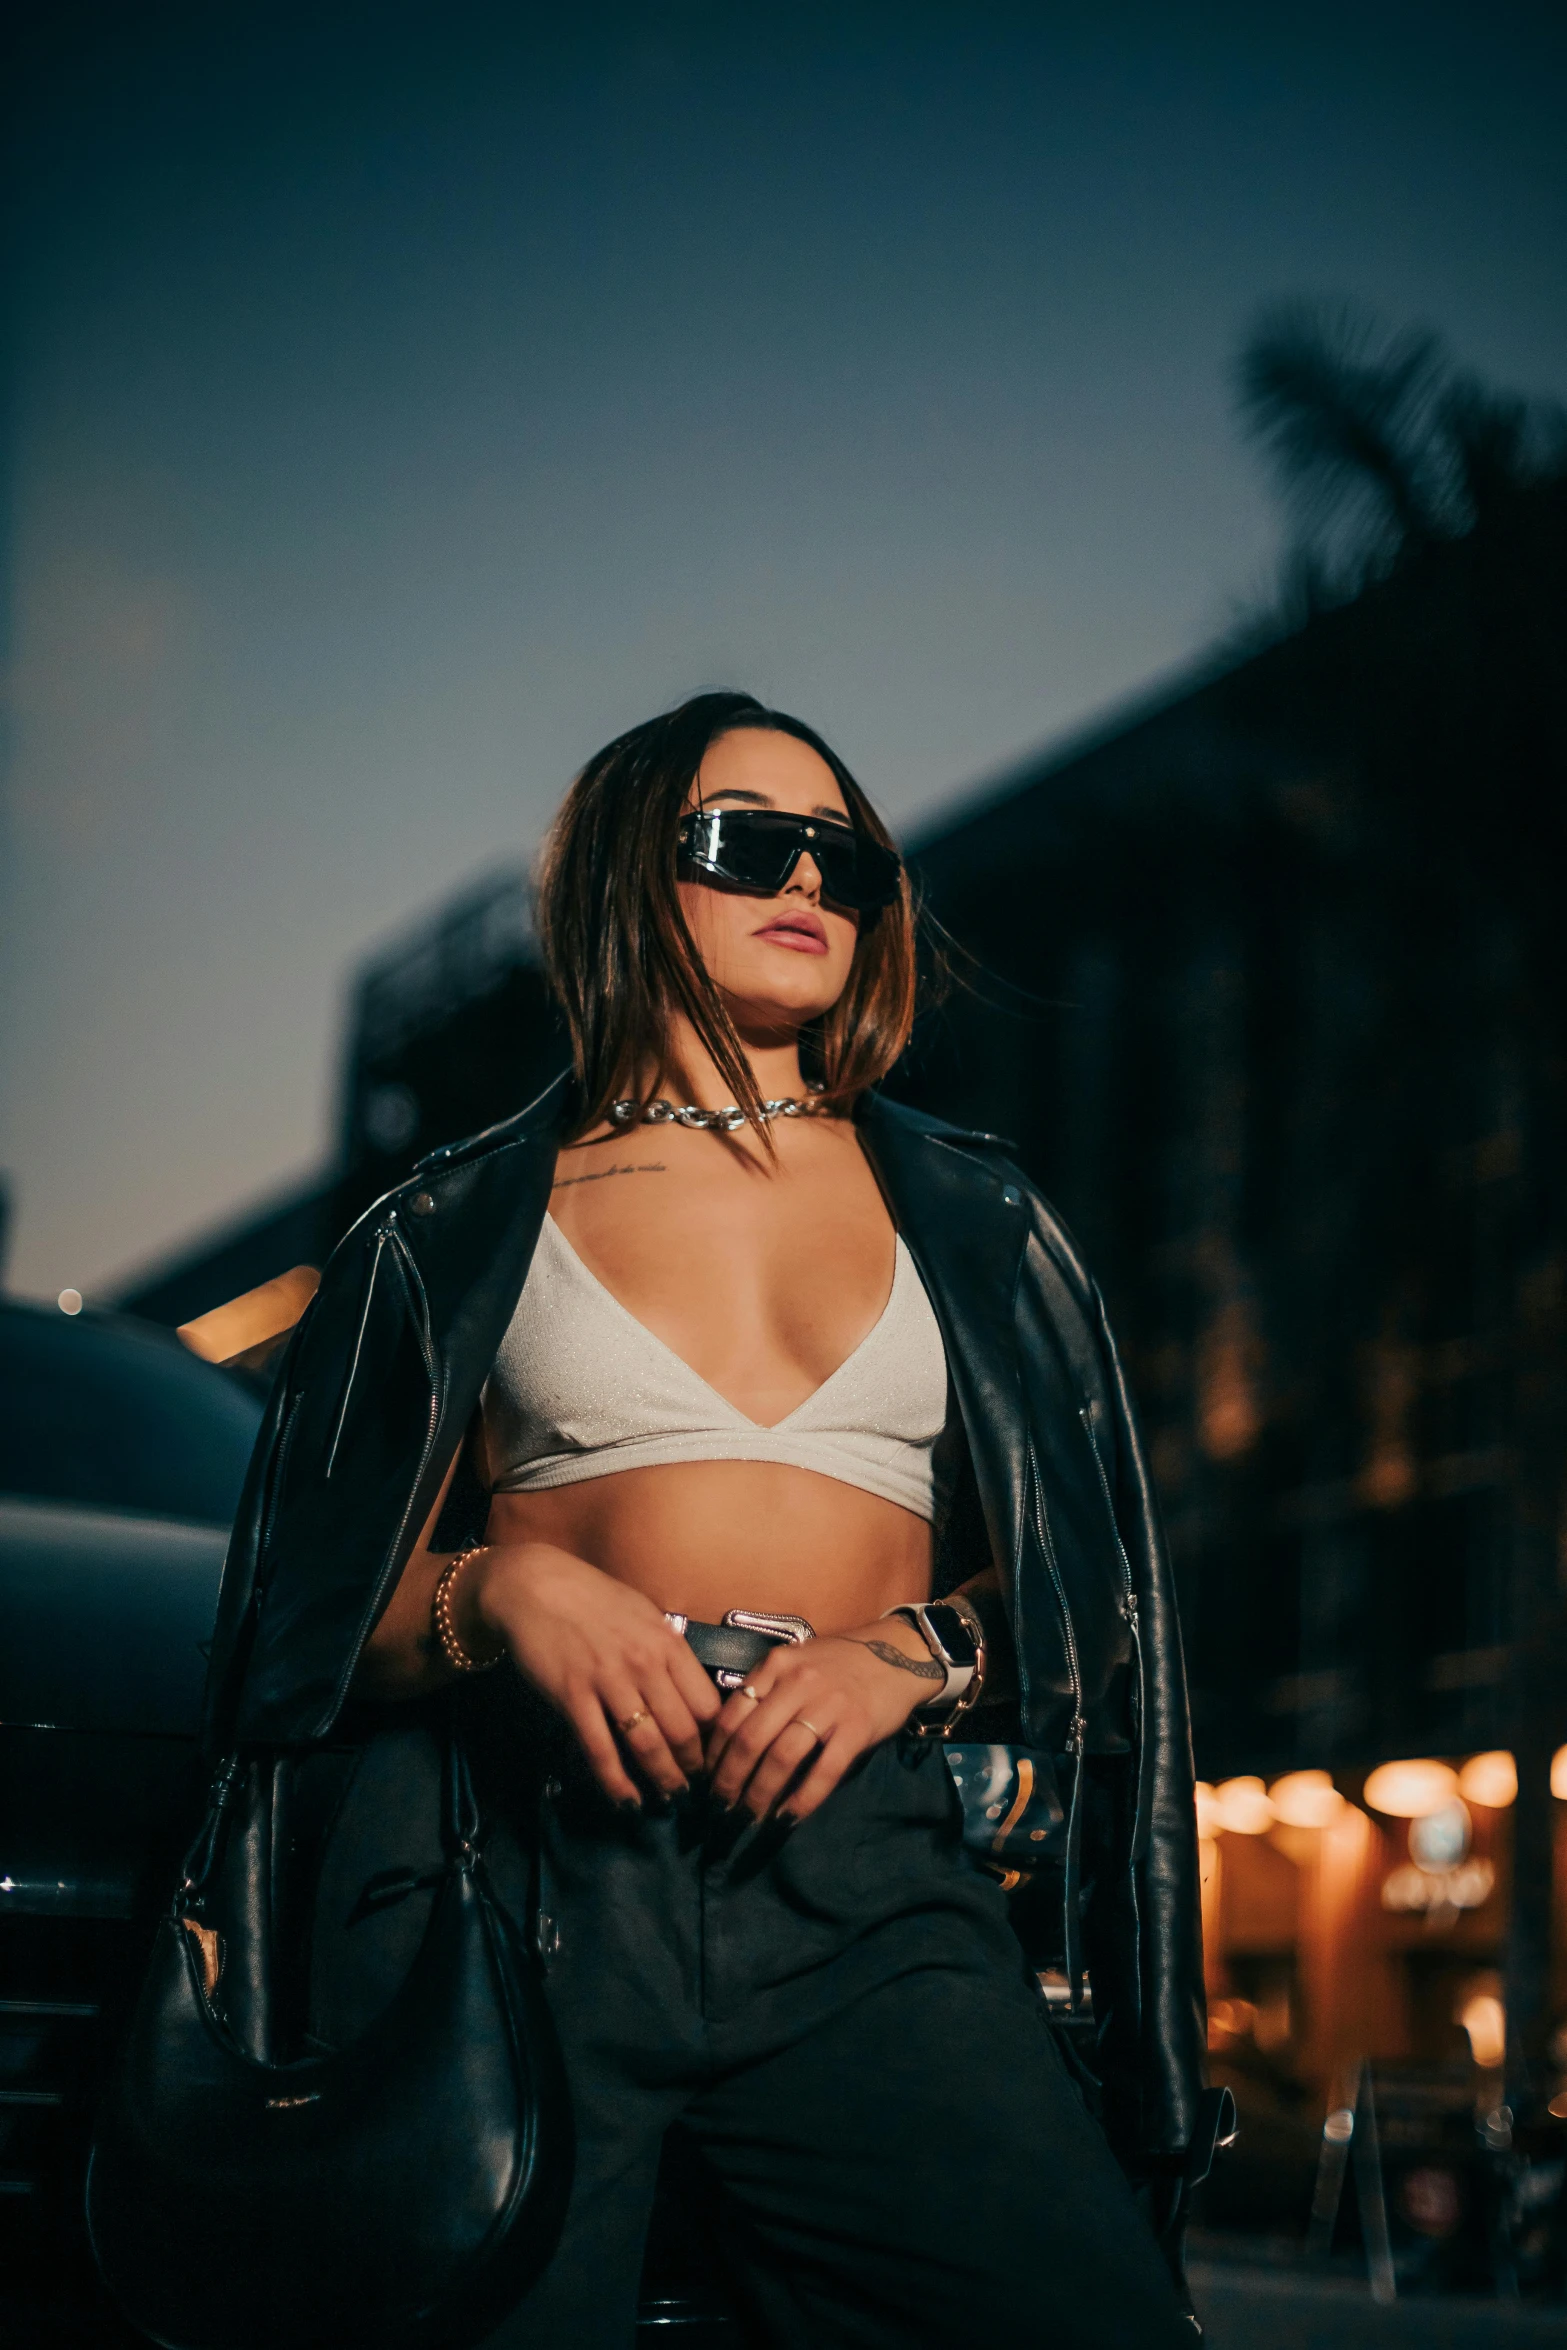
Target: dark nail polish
<point>629,1806</point>
<point>787,1820</point>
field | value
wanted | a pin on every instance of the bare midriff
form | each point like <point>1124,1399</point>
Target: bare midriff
<point>701,1537</point>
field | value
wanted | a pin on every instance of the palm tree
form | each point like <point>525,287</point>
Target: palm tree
<point>1383,447</point>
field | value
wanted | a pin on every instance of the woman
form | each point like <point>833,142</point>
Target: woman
<point>806,1364</point>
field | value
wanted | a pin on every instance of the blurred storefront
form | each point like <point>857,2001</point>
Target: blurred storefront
<point>1356,1938</point>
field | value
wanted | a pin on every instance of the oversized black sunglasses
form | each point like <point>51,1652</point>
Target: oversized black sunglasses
<point>758,848</point>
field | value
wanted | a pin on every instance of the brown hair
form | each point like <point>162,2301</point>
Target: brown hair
<point>619,951</point>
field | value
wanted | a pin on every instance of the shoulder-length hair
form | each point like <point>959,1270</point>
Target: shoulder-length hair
<point>619,951</point>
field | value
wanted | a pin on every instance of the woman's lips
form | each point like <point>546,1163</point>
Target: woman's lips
<point>803,932</point>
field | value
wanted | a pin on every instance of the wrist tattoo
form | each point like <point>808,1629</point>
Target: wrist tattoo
<point>924,1668</point>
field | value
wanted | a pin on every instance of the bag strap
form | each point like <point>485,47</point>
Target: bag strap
<point>461,1822</point>
<point>202,1856</point>
<point>1215,2129</point>
<point>461,1809</point>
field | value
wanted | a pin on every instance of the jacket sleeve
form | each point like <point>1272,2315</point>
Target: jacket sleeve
<point>1157,2033</point>
<point>373,1399</point>
<point>343,1461</point>
<point>239,1590</point>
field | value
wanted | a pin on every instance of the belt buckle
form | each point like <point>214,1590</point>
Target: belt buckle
<point>784,1630</point>
<point>796,1630</point>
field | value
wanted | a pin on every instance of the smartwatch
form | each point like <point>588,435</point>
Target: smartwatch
<point>955,1640</point>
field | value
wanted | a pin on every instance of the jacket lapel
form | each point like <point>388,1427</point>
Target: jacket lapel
<point>966,1228</point>
<point>473,1223</point>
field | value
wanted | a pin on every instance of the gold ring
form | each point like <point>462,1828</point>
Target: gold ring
<point>755,1695</point>
<point>631,1722</point>
<point>820,1736</point>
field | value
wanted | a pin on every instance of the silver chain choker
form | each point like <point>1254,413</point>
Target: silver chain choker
<point>662,1113</point>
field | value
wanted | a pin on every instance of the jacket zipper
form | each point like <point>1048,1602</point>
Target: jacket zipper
<point>1076,1739</point>
<point>389,1235</point>
<point>1074,1736</point>
<point>1134,1625</point>
<point>414,1280</point>
<point>1087,1418</point>
<point>383,1233</point>
<point>1017,1608</point>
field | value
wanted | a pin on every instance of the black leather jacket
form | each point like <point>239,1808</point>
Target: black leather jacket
<point>383,1376</point>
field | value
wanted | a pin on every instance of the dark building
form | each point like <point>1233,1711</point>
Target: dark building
<point>1268,987</point>
<point>1291,1073</point>
<point>1265,981</point>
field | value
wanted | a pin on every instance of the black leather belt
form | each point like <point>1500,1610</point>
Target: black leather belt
<point>737,1646</point>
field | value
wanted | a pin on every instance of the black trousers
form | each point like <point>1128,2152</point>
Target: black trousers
<point>841,2019</point>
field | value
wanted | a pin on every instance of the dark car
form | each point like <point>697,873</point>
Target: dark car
<point>121,1460</point>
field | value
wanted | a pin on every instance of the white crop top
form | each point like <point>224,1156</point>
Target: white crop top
<point>581,1389</point>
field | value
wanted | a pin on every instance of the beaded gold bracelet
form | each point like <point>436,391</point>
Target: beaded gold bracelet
<point>441,1617</point>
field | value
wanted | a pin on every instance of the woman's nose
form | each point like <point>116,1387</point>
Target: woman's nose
<point>805,877</point>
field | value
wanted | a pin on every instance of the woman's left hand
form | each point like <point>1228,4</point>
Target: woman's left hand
<point>832,1698</point>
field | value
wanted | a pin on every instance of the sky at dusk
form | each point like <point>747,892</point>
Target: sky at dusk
<point>404,401</point>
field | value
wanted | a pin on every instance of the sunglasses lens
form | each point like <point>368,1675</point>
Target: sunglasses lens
<point>731,850</point>
<point>760,855</point>
<point>759,849</point>
<point>857,872</point>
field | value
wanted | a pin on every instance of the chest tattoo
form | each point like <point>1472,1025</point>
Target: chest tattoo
<point>603,1174</point>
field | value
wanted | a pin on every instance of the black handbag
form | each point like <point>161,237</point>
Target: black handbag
<point>250,2190</point>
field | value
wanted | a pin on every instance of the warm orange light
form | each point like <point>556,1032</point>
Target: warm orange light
<point>1305,1799</point>
<point>1485,2020</point>
<point>1208,1820</point>
<point>1243,1806</point>
<point>1230,2019</point>
<point>1558,2106</point>
<point>1229,1417</point>
<point>1491,1779</point>
<point>1559,1773</point>
<point>1414,1888</point>
<point>1409,1790</point>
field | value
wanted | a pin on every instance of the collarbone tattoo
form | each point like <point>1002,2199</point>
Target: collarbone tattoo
<point>602,1174</point>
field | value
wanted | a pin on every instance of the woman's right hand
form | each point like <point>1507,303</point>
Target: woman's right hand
<point>600,1652</point>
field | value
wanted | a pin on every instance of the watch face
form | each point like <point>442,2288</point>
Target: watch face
<point>951,1629</point>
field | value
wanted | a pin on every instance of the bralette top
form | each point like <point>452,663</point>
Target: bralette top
<point>581,1389</point>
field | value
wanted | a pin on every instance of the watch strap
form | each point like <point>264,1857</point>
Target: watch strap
<point>962,1686</point>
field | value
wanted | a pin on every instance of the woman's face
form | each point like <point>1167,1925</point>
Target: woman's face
<point>776,961</point>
